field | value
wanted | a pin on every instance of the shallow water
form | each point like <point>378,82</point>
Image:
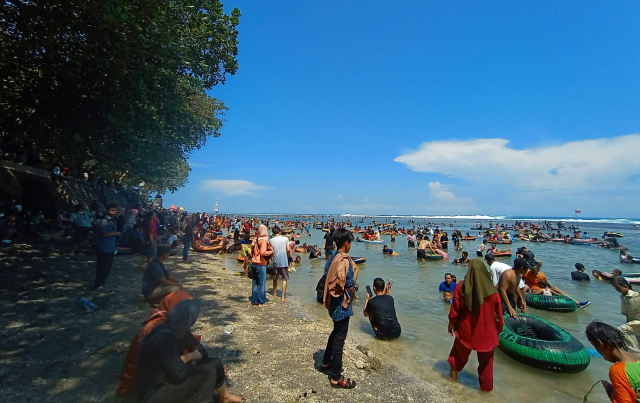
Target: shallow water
<point>425,343</point>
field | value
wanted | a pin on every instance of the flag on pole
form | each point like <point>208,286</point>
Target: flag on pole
<point>577,211</point>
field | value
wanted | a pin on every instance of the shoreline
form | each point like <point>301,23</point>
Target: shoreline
<point>64,354</point>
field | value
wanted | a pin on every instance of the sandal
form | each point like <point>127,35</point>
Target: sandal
<point>344,383</point>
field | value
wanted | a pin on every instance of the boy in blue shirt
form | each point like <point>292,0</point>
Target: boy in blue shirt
<point>107,234</point>
<point>447,287</point>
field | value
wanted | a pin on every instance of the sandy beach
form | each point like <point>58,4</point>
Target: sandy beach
<point>53,351</point>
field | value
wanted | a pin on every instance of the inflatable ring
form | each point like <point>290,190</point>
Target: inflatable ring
<point>557,303</point>
<point>359,259</point>
<point>549,347</point>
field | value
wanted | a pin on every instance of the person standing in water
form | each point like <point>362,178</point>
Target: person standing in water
<point>338,299</point>
<point>476,319</point>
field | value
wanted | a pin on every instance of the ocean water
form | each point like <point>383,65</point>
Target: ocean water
<point>424,345</point>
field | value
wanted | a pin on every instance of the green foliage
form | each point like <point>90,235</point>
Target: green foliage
<point>115,85</point>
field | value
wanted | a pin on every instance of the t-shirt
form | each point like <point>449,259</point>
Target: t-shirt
<point>533,280</point>
<point>188,234</point>
<point>108,244</point>
<point>447,288</point>
<point>328,241</point>
<point>152,228</point>
<point>388,251</point>
<point>383,313</point>
<point>529,256</point>
<point>625,380</point>
<point>496,270</point>
<point>81,219</point>
<point>580,276</point>
<point>154,271</point>
<point>279,245</point>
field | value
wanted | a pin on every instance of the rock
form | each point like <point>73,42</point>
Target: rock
<point>359,363</point>
<point>369,353</point>
<point>375,363</point>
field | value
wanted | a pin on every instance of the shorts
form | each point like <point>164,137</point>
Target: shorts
<point>385,335</point>
<point>290,259</point>
<point>281,273</point>
<point>479,253</point>
<point>422,254</point>
<point>152,250</point>
<point>81,234</point>
<point>512,300</point>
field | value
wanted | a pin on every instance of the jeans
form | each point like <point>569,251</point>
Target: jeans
<point>259,285</point>
<point>104,263</point>
<point>335,345</point>
<point>207,376</point>
<point>185,251</point>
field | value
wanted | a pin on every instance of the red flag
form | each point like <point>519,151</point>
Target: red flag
<point>577,211</point>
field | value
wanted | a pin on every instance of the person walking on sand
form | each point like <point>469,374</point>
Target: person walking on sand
<point>476,320</point>
<point>338,299</point>
<point>260,251</point>
<point>107,247</point>
<point>280,246</point>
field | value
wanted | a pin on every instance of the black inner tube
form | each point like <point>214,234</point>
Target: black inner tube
<point>533,329</point>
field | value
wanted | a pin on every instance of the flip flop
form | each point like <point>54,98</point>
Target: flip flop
<point>344,383</point>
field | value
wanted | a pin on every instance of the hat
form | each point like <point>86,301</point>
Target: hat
<point>163,249</point>
<point>489,256</point>
<point>520,263</point>
<point>579,266</point>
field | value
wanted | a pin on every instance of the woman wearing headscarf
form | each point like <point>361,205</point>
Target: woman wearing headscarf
<point>167,375</point>
<point>260,251</point>
<point>129,380</point>
<point>476,318</point>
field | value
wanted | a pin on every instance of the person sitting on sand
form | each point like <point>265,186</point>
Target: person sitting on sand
<point>625,373</point>
<point>447,287</point>
<point>156,280</point>
<point>169,375</point>
<point>133,238</point>
<point>129,379</point>
<point>476,320</point>
<point>464,259</point>
<point>82,220</point>
<point>381,311</point>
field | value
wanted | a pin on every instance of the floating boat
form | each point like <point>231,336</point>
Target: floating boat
<point>468,238</point>
<point>541,344</point>
<point>613,234</point>
<point>197,246</point>
<point>633,278</point>
<point>500,242</point>
<point>557,239</point>
<point>580,241</point>
<point>368,241</point>
<point>557,303</point>
<point>501,254</point>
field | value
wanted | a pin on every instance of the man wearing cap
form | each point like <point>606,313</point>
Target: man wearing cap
<point>579,274</point>
<point>509,289</point>
<point>157,282</point>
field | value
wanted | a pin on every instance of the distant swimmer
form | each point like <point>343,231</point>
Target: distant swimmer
<point>387,251</point>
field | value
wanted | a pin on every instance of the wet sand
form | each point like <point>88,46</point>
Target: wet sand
<point>51,350</point>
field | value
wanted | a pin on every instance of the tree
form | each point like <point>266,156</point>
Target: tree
<point>116,86</point>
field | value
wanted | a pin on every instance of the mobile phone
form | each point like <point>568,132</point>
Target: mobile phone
<point>369,291</point>
<point>390,282</point>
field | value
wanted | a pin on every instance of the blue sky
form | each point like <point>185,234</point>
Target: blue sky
<point>421,107</point>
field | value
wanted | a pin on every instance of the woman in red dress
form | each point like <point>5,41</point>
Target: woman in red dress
<point>476,318</point>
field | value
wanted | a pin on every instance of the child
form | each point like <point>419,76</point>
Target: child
<point>625,373</point>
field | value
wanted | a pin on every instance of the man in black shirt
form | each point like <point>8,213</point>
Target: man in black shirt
<point>381,311</point>
<point>528,256</point>
<point>579,274</point>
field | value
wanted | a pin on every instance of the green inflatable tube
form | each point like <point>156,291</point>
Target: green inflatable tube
<point>538,343</point>
<point>557,303</point>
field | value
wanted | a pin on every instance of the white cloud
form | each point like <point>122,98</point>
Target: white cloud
<point>338,196</point>
<point>232,187</point>
<point>584,165</point>
<point>440,191</point>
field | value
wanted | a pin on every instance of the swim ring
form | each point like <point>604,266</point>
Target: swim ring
<point>541,344</point>
<point>557,303</point>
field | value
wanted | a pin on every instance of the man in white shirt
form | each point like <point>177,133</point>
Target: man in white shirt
<point>280,245</point>
<point>497,268</point>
